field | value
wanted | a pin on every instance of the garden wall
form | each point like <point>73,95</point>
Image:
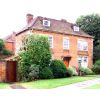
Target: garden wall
<point>8,71</point>
<point>2,71</point>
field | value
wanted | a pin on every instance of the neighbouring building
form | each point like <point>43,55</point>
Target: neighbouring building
<point>67,41</point>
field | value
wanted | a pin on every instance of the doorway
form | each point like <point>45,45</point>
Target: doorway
<point>66,61</point>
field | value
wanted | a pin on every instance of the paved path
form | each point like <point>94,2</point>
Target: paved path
<point>15,86</point>
<point>78,85</point>
<point>81,85</point>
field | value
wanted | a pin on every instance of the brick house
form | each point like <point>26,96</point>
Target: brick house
<point>67,41</point>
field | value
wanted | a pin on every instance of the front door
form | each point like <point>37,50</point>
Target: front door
<point>66,61</point>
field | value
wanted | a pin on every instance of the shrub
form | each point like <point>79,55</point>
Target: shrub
<point>97,63</point>
<point>46,73</point>
<point>69,72</point>
<point>6,52</point>
<point>35,49</point>
<point>58,68</point>
<point>88,71</point>
<point>34,72</point>
<point>85,71</point>
<point>96,67</point>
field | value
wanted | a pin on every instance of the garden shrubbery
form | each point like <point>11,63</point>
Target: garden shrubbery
<point>34,56</point>
<point>46,73</point>
<point>71,71</point>
<point>96,67</point>
<point>58,68</point>
<point>85,71</point>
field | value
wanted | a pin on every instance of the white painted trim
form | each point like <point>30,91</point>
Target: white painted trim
<point>63,43</point>
<point>52,41</point>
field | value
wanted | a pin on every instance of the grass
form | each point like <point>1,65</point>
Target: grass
<point>96,86</point>
<point>53,83</point>
<point>4,85</point>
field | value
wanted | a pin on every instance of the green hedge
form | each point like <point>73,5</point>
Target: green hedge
<point>46,73</point>
<point>58,68</point>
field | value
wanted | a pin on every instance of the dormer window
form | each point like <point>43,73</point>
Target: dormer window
<point>46,23</point>
<point>76,28</point>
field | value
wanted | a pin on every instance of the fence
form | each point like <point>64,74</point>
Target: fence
<point>8,71</point>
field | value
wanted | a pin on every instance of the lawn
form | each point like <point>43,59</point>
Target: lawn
<point>96,86</point>
<point>4,85</point>
<point>53,83</point>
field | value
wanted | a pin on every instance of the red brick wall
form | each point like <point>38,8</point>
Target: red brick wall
<point>10,46</point>
<point>58,51</point>
<point>2,71</point>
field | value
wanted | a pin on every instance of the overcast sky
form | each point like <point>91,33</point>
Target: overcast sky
<point>13,12</point>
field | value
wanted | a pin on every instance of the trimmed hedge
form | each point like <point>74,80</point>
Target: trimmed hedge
<point>58,68</point>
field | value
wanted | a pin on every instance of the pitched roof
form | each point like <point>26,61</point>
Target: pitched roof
<point>59,26</point>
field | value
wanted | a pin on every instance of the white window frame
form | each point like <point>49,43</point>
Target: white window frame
<point>48,21</point>
<point>51,44</point>
<point>83,63</point>
<point>76,28</point>
<point>82,44</point>
<point>67,46</point>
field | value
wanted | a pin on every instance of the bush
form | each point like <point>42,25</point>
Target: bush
<point>6,52</point>
<point>96,67</point>
<point>85,71</point>
<point>46,73</point>
<point>88,71</point>
<point>35,49</point>
<point>34,72</point>
<point>69,72</point>
<point>58,68</point>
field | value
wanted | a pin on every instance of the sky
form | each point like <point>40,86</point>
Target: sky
<point>13,12</point>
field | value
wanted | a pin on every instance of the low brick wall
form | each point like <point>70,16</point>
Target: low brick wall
<point>2,71</point>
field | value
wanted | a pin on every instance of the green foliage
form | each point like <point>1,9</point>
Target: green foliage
<point>6,52</point>
<point>91,25</point>
<point>1,45</point>
<point>34,72</point>
<point>35,50</point>
<point>96,67</point>
<point>58,68</point>
<point>97,63</point>
<point>85,71</point>
<point>3,50</point>
<point>73,68</point>
<point>96,53</point>
<point>46,73</point>
<point>69,72</point>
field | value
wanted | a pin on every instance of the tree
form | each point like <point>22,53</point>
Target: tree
<point>35,51</point>
<point>91,25</point>
<point>3,50</point>
<point>1,45</point>
<point>96,53</point>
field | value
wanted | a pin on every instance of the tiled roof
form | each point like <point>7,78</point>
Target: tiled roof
<point>59,26</point>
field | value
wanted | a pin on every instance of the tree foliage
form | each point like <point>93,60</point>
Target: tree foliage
<point>91,25</point>
<point>34,50</point>
<point>3,50</point>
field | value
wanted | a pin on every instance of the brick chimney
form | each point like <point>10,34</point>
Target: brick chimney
<point>29,18</point>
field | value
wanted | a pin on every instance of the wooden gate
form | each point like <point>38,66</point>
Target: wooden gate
<point>11,71</point>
